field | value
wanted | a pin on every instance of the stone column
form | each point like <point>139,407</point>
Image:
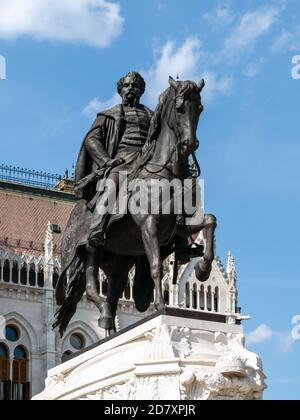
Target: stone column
<point>48,343</point>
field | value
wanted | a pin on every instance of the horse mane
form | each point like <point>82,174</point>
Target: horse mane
<point>155,125</point>
<point>164,99</point>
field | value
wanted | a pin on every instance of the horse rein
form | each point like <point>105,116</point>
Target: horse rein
<point>175,148</point>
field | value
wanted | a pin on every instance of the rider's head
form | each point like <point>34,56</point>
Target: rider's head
<point>131,88</point>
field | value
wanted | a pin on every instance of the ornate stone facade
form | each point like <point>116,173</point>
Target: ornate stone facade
<point>28,269</point>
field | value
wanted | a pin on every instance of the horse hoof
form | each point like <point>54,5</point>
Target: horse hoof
<point>203,270</point>
<point>106,323</point>
<point>110,333</point>
<point>160,306</point>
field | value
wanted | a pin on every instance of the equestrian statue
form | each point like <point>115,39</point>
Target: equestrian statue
<point>129,152</point>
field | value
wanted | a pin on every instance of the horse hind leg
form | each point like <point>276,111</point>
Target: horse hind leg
<point>117,271</point>
<point>91,272</point>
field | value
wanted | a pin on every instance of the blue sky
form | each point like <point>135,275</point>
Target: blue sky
<point>63,60</point>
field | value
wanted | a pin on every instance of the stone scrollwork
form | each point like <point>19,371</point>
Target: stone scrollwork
<point>175,339</point>
<point>118,392</point>
<point>238,375</point>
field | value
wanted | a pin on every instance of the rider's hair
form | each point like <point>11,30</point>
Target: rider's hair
<point>137,77</point>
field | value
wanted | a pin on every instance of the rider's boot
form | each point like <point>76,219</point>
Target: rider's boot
<point>96,239</point>
<point>97,236</point>
<point>182,250</point>
<point>185,251</point>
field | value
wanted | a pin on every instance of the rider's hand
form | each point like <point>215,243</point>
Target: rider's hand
<point>114,162</point>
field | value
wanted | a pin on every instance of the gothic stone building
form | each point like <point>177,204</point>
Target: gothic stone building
<point>34,210</point>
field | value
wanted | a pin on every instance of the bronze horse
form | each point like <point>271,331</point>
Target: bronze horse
<point>143,239</point>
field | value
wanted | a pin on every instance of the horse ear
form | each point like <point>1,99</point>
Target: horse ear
<point>201,85</point>
<point>172,82</point>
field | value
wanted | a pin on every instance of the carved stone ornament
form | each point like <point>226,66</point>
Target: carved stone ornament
<point>166,358</point>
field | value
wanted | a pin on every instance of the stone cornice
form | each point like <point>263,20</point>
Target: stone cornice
<point>42,192</point>
<point>18,292</point>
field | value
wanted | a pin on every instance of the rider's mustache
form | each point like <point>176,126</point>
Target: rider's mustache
<point>131,92</point>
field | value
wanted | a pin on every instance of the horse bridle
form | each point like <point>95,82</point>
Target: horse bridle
<point>176,148</point>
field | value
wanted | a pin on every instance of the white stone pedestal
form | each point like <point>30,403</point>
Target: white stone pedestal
<point>167,357</point>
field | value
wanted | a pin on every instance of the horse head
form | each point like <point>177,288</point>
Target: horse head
<point>187,107</point>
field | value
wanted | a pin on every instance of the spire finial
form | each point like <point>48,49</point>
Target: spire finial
<point>231,269</point>
<point>49,244</point>
<point>230,263</point>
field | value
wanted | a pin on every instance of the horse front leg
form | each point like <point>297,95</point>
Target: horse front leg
<point>204,266</point>
<point>91,271</point>
<point>208,225</point>
<point>151,243</point>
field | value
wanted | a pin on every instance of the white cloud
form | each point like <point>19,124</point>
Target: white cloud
<point>93,22</point>
<point>96,105</point>
<point>172,61</point>
<point>252,26</point>
<point>222,15</point>
<point>161,5</point>
<point>285,341</point>
<point>215,85</point>
<point>252,69</point>
<point>286,41</point>
<point>184,61</point>
<point>260,335</point>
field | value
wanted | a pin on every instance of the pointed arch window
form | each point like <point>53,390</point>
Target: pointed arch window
<point>187,295</point>
<point>5,383</point>
<point>55,277</point>
<point>6,271</point>
<point>32,275</point>
<point>202,298</point>
<point>104,287</point>
<point>127,291</point>
<point>15,272</point>
<point>41,277</point>
<point>195,297</point>
<point>209,299</point>
<point>167,294</point>
<point>216,300</point>
<point>24,274</point>
<point>20,382</point>
<point>65,356</point>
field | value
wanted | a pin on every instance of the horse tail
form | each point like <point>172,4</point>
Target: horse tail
<point>69,294</point>
<point>143,284</point>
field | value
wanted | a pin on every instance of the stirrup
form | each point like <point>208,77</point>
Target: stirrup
<point>97,239</point>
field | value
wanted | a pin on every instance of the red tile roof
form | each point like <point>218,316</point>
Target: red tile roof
<point>24,218</point>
